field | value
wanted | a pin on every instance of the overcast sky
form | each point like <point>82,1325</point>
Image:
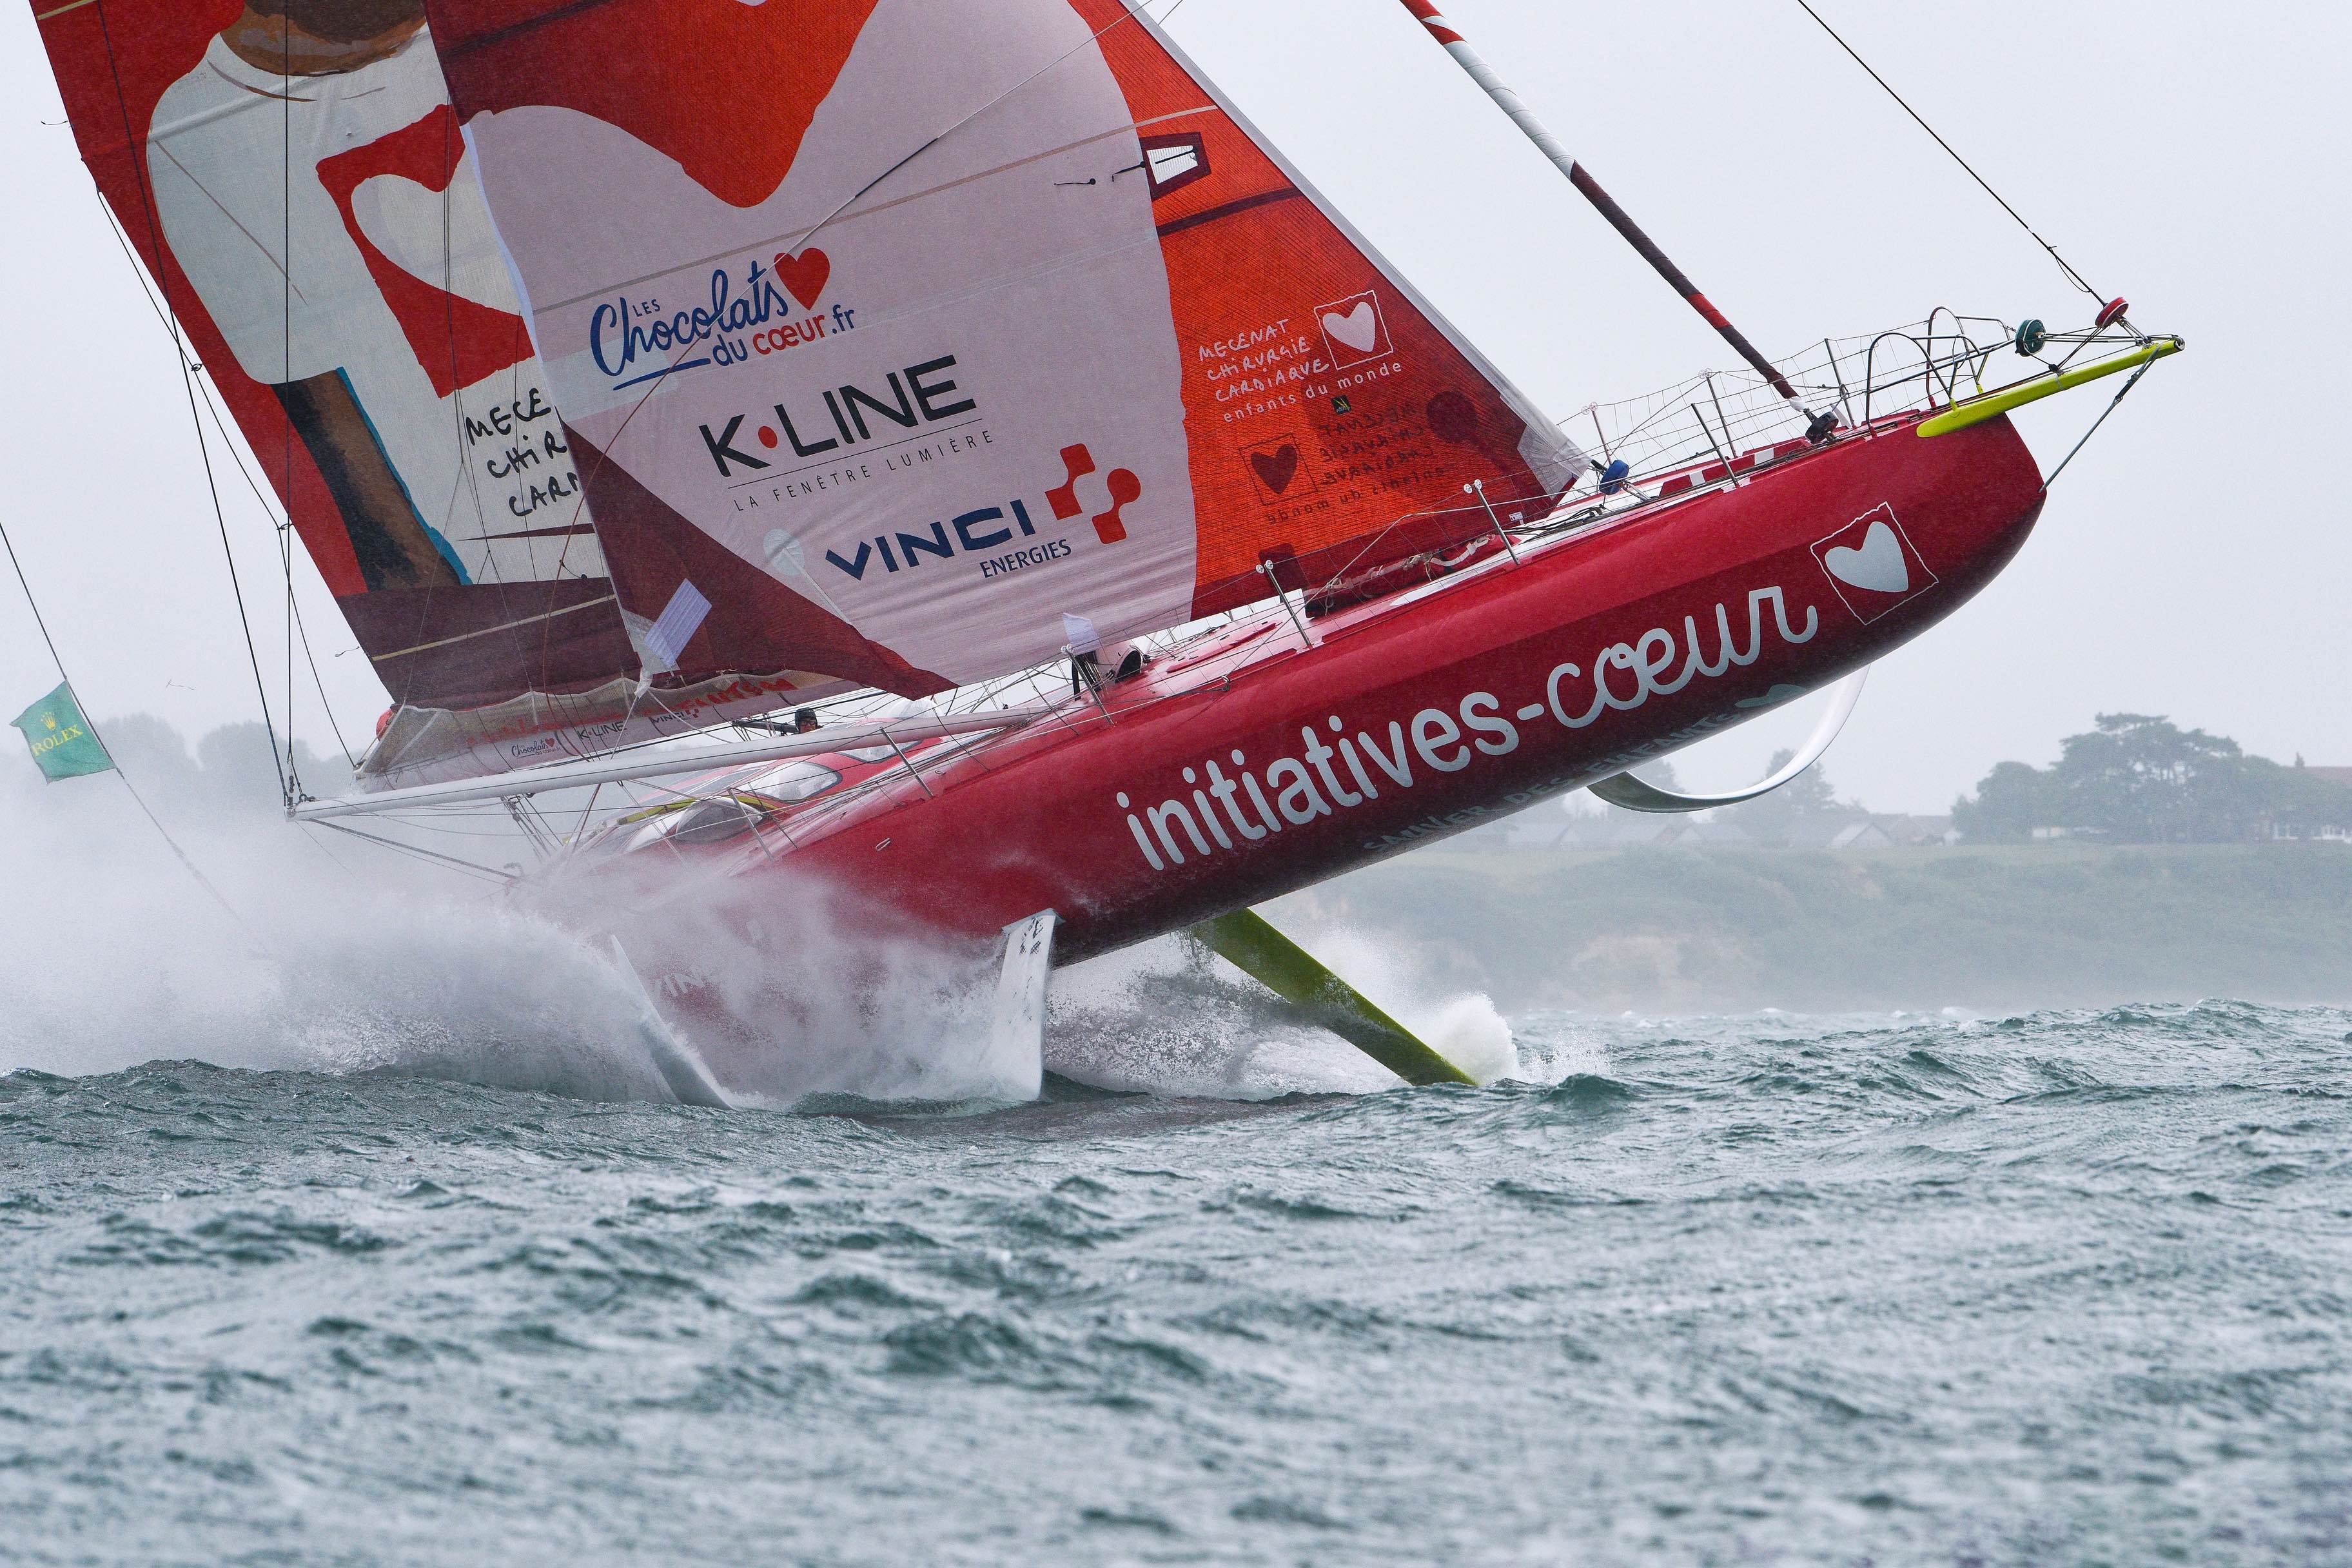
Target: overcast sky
<point>2191,156</point>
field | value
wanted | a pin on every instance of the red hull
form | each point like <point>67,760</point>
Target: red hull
<point>1457,704</point>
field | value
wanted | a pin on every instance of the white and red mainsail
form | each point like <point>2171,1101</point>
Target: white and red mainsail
<point>293,176</point>
<point>892,334</point>
<point>867,342</point>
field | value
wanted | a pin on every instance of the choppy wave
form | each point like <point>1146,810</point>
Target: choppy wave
<point>2056,1287</point>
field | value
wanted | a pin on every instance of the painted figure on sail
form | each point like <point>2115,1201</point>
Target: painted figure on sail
<point>930,315</point>
<point>385,374</point>
<point>398,325</point>
<point>296,179</point>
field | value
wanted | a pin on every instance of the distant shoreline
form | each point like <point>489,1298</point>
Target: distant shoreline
<point>1993,927</point>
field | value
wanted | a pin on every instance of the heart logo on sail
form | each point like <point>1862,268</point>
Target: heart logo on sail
<point>1277,469</point>
<point>434,238</point>
<point>1359,329</point>
<point>1878,565</point>
<point>1873,565</point>
<point>806,275</point>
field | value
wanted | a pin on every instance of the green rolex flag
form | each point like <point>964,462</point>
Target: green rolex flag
<point>62,741</point>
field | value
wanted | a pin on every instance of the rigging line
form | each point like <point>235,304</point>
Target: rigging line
<point>459,419</point>
<point>187,381</point>
<point>320,844</point>
<point>42,622</point>
<point>39,619</point>
<point>302,624</point>
<point>286,564</point>
<point>212,411</point>
<point>468,867</point>
<point>2064,266</point>
<point>450,135</point>
<point>334,725</point>
<point>587,812</point>
<point>202,881</point>
<point>285,339</point>
<point>2102,419</point>
<point>287,784</point>
<point>1129,11</point>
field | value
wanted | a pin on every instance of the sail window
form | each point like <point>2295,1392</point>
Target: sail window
<point>1172,163</point>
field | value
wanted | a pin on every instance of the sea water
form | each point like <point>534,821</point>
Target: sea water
<point>2057,1288</point>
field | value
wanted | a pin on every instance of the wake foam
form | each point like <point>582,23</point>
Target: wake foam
<point>1169,1018</point>
<point>343,958</point>
<point>347,960</point>
<point>132,964</point>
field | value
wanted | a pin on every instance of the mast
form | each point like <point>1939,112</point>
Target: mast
<point>1470,60</point>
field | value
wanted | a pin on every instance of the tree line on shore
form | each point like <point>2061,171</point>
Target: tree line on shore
<point>2138,778</point>
<point>2133,778</point>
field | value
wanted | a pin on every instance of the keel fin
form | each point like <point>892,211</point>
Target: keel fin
<point>1244,940</point>
<point>1017,1034</point>
<point>680,1067</point>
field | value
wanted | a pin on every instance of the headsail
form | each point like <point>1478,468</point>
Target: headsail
<point>293,176</point>
<point>891,332</point>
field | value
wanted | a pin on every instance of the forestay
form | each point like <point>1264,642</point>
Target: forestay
<point>888,334</point>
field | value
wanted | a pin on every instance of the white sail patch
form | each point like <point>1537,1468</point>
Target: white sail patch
<point>665,641</point>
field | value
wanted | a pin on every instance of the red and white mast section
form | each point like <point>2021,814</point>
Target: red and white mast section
<point>1470,60</point>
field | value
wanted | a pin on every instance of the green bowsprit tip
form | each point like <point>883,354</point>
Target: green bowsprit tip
<point>1243,940</point>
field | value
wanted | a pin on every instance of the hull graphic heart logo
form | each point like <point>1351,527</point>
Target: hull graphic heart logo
<point>806,275</point>
<point>1359,328</point>
<point>1873,565</point>
<point>1277,469</point>
<point>1878,565</point>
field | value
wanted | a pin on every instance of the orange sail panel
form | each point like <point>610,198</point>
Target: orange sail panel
<point>293,176</point>
<point>898,331</point>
